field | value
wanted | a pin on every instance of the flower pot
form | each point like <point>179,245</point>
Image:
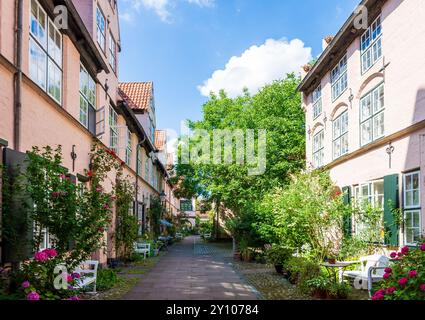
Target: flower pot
<point>278,268</point>
<point>332,260</point>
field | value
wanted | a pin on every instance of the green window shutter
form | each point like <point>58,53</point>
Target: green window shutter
<point>391,202</point>
<point>347,218</point>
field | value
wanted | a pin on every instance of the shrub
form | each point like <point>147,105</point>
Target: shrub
<point>106,279</point>
<point>300,271</point>
<point>324,288</point>
<point>278,255</point>
<point>405,280</point>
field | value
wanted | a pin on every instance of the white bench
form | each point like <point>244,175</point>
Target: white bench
<point>207,235</point>
<point>179,236</point>
<point>371,270</point>
<point>142,248</point>
<point>88,273</point>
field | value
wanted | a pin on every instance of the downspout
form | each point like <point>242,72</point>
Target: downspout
<point>137,181</point>
<point>17,110</point>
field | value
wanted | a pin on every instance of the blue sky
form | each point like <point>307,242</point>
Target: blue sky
<point>180,44</point>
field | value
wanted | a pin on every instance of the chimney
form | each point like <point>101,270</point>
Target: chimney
<point>326,41</point>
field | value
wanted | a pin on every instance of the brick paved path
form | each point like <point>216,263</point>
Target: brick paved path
<point>193,270</point>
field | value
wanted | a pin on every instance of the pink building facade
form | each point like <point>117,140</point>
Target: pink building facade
<point>364,102</point>
<point>59,86</point>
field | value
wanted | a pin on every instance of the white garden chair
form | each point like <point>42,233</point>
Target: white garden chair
<point>179,236</point>
<point>88,272</point>
<point>371,270</point>
<point>142,248</point>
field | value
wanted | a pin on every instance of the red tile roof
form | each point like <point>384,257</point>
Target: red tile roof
<point>137,94</point>
<point>160,139</point>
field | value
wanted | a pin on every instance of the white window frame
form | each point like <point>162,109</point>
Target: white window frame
<point>413,207</point>
<point>318,149</point>
<point>377,110</point>
<point>317,102</point>
<point>128,149</point>
<point>371,45</point>
<point>45,57</point>
<point>87,98</point>
<point>338,137</point>
<point>101,34</point>
<point>112,52</point>
<point>140,161</point>
<point>339,78</point>
<point>113,130</point>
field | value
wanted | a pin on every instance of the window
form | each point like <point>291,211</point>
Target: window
<point>101,28</point>
<point>318,149</point>
<point>317,102</point>
<point>340,135</point>
<point>186,205</point>
<point>339,78</point>
<point>371,45</point>
<point>139,161</point>
<point>87,97</point>
<point>113,129</point>
<point>45,52</point>
<point>412,208</point>
<point>112,52</point>
<point>372,115</point>
<point>128,150</point>
<point>147,166</point>
<point>370,193</point>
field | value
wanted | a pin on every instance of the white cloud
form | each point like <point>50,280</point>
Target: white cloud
<point>161,7</point>
<point>203,3</point>
<point>258,66</point>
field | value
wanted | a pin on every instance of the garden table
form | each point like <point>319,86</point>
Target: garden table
<point>336,270</point>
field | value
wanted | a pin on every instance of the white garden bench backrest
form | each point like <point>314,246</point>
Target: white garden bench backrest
<point>88,268</point>
<point>376,260</point>
<point>142,246</point>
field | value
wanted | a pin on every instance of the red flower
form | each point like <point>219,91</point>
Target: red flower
<point>90,174</point>
<point>422,287</point>
<point>387,275</point>
<point>403,281</point>
<point>393,254</point>
<point>388,270</point>
<point>413,273</point>
<point>422,247</point>
<point>56,194</point>
<point>405,250</point>
<point>101,230</point>
<point>69,278</point>
<point>391,290</point>
<point>378,297</point>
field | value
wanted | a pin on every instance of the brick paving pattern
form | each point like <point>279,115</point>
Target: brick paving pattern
<point>193,270</point>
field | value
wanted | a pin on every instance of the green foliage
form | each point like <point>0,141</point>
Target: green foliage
<point>278,255</point>
<point>276,108</point>
<point>154,214</point>
<point>405,280</point>
<point>300,270</point>
<point>306,216</point>
<point>325,288</point>
<point>106,279</point>
<point>127,225</point>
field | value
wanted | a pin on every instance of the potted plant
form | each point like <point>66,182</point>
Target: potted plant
<point>277,255</point>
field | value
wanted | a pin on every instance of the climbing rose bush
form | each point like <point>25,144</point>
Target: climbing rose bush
<point>405,280</point>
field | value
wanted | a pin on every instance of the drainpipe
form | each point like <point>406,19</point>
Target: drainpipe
<point>137,179</point>
<point>17,110</point>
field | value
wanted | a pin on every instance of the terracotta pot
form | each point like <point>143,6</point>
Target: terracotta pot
<point>332,261</point>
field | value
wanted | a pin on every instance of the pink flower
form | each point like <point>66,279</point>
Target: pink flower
<point>378,297</point>
<point>41,256</point>
<point>74,298</point>
<point>393,254</point>
<point>33,296</point>
<point>413,273</point>
<point>25,284</point>
<point>387,275</point>
<point>422,287</point>
<point>99,189</point>
<point>69,278</point>
<point>405,250</point>
<point>56,194</point>
<point>105,206</point>
<point>388,270</point>
<point>391,290</point>
<point>380,292</point>
<point>422,247</point>
<point>403,281</point>
<point>51,253</point>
